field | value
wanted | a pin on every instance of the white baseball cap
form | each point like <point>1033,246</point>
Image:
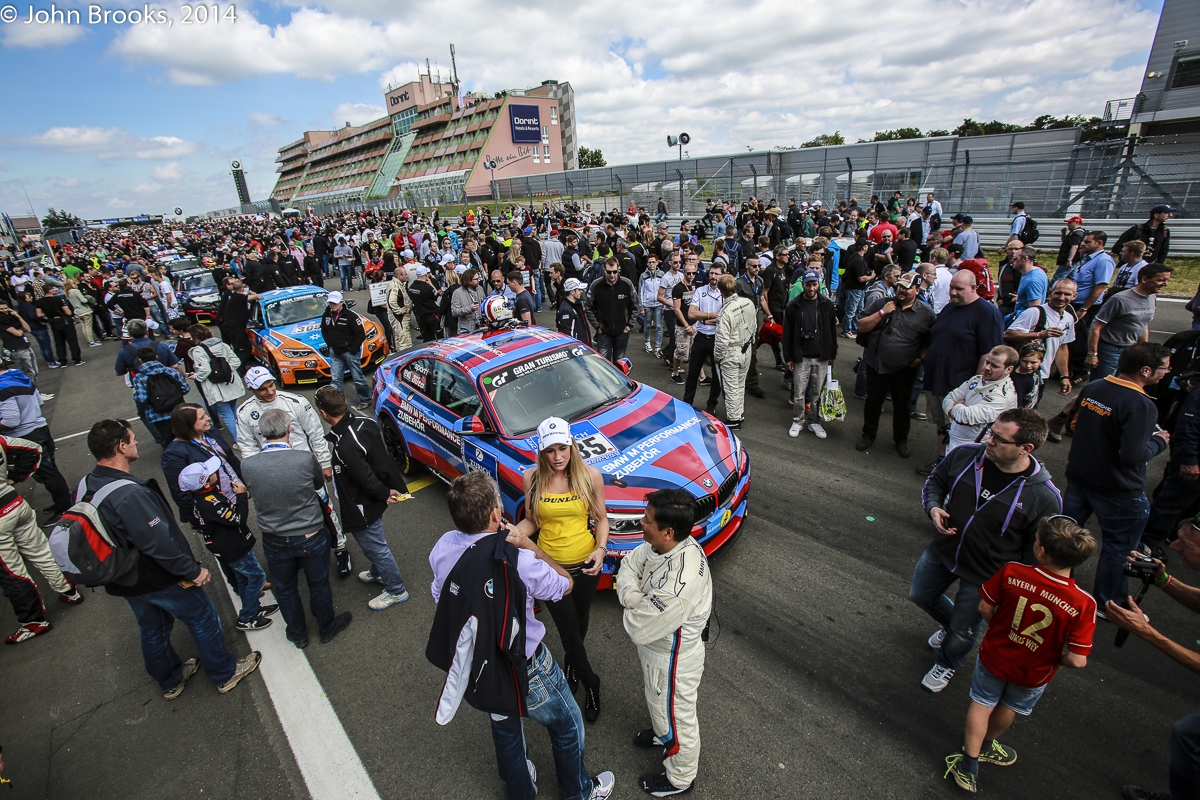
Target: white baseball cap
<point>194,476</point>
<point>257,376</point>
<point>574,283</point>
<point>334,297</point>
<point>460,269</point>
<point>555,430</point>
<point>422,271</point>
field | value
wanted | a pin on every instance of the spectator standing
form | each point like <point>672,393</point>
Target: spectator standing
<point>666,297</point>
<point>968,238</point>
<point>1033,285</point>
<point>81,310</point>
<point>750,286</point>
<point>1053,326</point>
<point>343,254</point>
<point>399,308</point>
<point>221,396</point>
<point>1071,238</point>
<point>652,317</point>
<point>809,349</point>
<point>367,481</point>
<point>1124,320</point>
<point>611,307</point>
<point>856,275</point>
<point>233,316</point>
<point>21,416</point>
<point>706,305</point>
<point>1153,232</point>
<point>467,302</point>
<point>736,329</point>
<point>985,501</point>
<point>343,331</point>
<point>424,296</point>
<point>157,390</point>
<point>285,484</point>
<point>13,328</point>
<point>1180,489</point>
<point>571,320</point>
<point>1092,276</point>
<point>61,319</point>
<point>775,298</point>
<point>1129,269</point>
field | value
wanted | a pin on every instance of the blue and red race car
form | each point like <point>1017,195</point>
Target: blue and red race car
<point>473,402</point>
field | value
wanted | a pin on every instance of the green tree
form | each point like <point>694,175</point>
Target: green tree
<point>591,158</point>
<point>898,133</point>
<point>826,140</point>
<point>59,219</point>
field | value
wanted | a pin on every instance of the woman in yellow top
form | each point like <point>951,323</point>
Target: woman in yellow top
<point>564,501</point>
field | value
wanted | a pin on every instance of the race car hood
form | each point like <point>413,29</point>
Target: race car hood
<point>306,332</point>
<point>206,295</point>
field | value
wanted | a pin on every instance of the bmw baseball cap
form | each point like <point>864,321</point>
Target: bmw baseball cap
<point>334,297</point>
<point>574,283</point>
<point>257,376</point>
<point>811,275</point>
<point>194,476</point>
<point>554,430</point>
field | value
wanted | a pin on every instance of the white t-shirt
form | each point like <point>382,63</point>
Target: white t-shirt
<point>669,279</point>
<point>1064,321</point>
<point>941,288</point>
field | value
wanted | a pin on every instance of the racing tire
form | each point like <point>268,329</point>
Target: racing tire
<point>273,366</point>
<point>393,441</point>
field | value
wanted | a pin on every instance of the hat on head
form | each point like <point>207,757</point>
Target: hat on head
<point>460,269</point>
<point>334,297</point>
<point>957,217</point>
<point>1162,208</point>
<point>257,376</point>
<point>816,202</point>
<point>955,248</point>
<point>908,279</point>
<point>574,283</point>
<point>422,271</point>
<point>811,275</point>
<point>194,476</point>
<point>527,230</point>
<point>1075,219</point>
<point>968,219</point>
<point>554,430</point>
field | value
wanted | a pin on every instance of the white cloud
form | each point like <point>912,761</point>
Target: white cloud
<point>261,120</point>
<point>356,114</point>
<point>167,173</point>
<point>33,35</point>
<point>113,143</point>
<point>68,183</point>
<point>5,166</point>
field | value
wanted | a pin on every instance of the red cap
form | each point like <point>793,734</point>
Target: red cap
<point>1075,219</point>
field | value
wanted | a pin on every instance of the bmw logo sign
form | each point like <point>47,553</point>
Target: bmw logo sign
<point>708,483</point>
<point>487,588</point>
<point>253,415</point>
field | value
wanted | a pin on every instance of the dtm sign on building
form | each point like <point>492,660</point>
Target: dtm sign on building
<point>526,123</point>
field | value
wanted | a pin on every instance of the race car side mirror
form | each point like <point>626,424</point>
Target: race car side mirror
<point>351,303</point>
<point>470,426</point>
<point>624,364</point>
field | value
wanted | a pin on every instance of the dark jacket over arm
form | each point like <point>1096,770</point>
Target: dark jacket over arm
<point>362,471</point>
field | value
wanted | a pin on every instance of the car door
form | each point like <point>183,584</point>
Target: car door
<point>454,397</point>
<point>256,331</point>
<point>415,413</point>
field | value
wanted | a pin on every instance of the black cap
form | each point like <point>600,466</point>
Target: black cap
<point>955,248</point>
<point>1162,208</point>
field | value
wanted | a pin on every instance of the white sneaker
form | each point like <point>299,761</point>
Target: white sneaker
<point>938,637</point>
<point>817,430</point>
<point>936,679</point>
<point>46,395</point>
<point>386,600</point>
<point>649,349</point>
<point>602,786</point>
<point>794,431</point>
<point>366,577</point>
<point>532,772</point>
<point>95,344</point>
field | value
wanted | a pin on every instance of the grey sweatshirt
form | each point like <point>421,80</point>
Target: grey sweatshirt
<point>283,484</point>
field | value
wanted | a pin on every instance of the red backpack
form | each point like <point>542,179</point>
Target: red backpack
<point>984,284</point>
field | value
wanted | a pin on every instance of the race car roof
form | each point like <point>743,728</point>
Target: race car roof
<point>483,352</point>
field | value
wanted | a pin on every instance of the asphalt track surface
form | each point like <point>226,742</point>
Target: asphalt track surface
<point>811,687</point>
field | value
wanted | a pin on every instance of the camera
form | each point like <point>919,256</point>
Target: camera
<point>1141,567</point>
<point>808,334</point>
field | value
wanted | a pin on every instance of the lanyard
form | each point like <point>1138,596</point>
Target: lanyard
<point>276,446</point>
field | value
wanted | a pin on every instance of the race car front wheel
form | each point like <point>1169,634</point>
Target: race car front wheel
<point>393,440</point>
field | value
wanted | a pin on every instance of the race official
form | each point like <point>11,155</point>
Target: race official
<point>703,310</point>
<point>344,332</point>
<point>666,589</point>
<point>736,329</point>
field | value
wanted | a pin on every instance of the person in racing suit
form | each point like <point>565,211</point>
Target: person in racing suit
<point>307,434</point>
<point>398,308</point>
<point>736,329</point>
<point>666,589</point>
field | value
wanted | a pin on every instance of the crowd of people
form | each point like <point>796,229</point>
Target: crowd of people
<point>916,294</point>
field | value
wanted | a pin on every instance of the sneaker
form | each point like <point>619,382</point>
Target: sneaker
<point>572,678</point>
<point>921,415</point>
<point>46,395</point>
<point>649,349</point>
<point>930,467</point>
<point>660,785</point>
<point>1056,425</point>
<point>55,365</point>
<point>999,755</point>
<point>938,637</point>
<point>343,562</point>
<point>340,622</point>
<point>28,631</point>
<point>677,379</point>
<point>734,424</point>
<point>817,430</point>
<point>189,669</point>
<point>963,778</point>
<point>256,624</point>
<point>78,363</point>
<point>244,667</point>
<point>705,381</point>
<point>366,577</point>
<point>95,344</point>
<point>387,600</point>
<point>602,786</point>
<point>1130,792</point>
<point>647,739</point>
<point>73,597</point>
<point>794,431</point>
<point>532,772</point>
<point>936,679</point>
<point>591,702</point>
<point>268,610</point>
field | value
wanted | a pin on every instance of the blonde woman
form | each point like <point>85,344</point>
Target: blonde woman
<point>564,497</point>
<point>82,310</point>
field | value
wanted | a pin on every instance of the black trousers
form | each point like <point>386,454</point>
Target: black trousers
<point>669,323</point>
<point>25,598</point>
<point>1078,349</point>
<point>64,336</point>
<point>47,472</point>
<point>571,616</point>
<point>236,338</point>
<point>900,384</point>
<point>429,328</point>
<point>702,353</point>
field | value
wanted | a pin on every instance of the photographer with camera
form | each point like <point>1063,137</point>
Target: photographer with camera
<point>1184,776</point>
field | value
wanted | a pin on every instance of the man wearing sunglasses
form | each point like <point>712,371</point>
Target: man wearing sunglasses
<point>985,501</point>
<point>611,308</point>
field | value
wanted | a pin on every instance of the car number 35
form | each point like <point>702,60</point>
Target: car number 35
<point>594,446</point>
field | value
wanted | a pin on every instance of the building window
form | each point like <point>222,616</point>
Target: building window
<point>546,154</point>
<point>553,115</point>
<point>545,134</point>
<point>1187,73</point>
<point>536,157</point>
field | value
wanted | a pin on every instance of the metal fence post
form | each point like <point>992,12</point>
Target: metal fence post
<point>680,174</point>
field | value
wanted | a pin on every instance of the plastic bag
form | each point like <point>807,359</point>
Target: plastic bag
<point>832,407</point>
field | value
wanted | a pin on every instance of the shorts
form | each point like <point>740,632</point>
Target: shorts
<point>988,690</point>
<point>683,343</point>
<point>933,407</point>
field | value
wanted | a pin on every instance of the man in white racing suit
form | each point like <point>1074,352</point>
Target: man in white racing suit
<point>307,434</point>
<point>977,402</point>
<point>666,589</point>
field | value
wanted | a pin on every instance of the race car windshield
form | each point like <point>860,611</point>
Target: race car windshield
<point>295,309</point>
<point>202,281</point>
<point>572,387</point>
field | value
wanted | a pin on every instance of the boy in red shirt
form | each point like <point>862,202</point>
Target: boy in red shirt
<point>1038,620</point>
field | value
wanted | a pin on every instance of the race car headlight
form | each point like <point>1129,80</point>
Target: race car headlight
<point>297,353</point>
<point>203,301</point>
<point>624,523</point>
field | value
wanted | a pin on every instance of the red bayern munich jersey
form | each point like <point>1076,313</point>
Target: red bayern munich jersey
<point>1037,615</point>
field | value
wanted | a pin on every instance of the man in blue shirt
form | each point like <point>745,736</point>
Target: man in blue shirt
<point>1033,280</point>
<point>1092,276</point>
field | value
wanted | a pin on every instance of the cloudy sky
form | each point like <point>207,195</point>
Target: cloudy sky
<point>110,119</point>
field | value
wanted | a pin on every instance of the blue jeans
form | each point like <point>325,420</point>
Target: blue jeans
<point>250,580</point>
<point>653,320</point>
<point>536,290</point>
<point>549,702</point>
<point>43,340</point>
<point>156,613</point>
<point>227,411</point>
<point>612,347</point>
<point>1185,758</point>
<point>960,617</point>
<point>337,371</point>
<point>1174,500</point>
<point>383,564</point>
<point>1108,355</point>
<point>347,273</point>
<point>1122,520</point>
<point>854,307</point>
<point>286,557</point>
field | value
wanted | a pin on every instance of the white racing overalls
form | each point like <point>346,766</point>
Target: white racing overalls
<point>731,350</point>
<point>667,600</point>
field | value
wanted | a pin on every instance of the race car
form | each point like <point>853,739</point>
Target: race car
<point>197,293</point>
<point>285,335</point>
<point>473,402</point>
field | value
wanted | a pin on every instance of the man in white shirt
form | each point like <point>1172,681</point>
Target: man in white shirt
<point>940,292</point>
<point>1053,325</point>
<point>977,402</point>
<point>706,305</point>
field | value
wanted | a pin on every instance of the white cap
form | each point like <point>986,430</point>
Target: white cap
<point>816,202</point>
<point>460,269</point>
<point>447,258</point>
<point>257,376</point>
<point>574,283</point>
<point>334,297</point>
<point>194,476</point>
<point>151,325</point>
<point>554,430</point>
<point>422,271</point>
<point>407,252</point>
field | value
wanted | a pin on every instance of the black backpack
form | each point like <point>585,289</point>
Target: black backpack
<point>163,391</point>
<point>1030,233</point>
<point>220,370</point>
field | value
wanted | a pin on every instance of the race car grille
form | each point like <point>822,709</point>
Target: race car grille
<point>324,349</point>
<point>307,376</point>
<point>727,488</point>
<point>706,506</point>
